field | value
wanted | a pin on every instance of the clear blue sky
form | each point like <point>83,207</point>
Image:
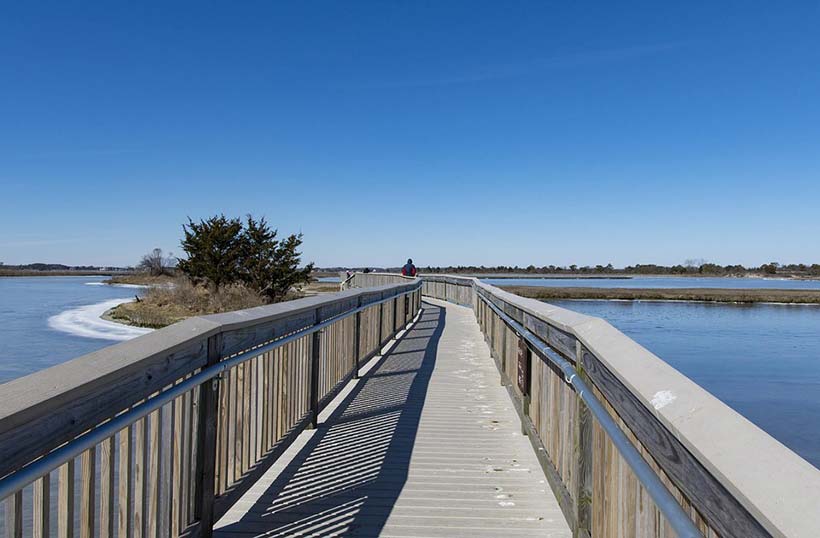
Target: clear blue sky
<point>453,132</point>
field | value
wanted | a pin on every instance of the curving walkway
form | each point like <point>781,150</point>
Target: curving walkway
<point>426,444</point>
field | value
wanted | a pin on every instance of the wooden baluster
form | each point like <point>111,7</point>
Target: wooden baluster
<point>166,413</point>
<point>176,465</point>
<point>240,420</point>
<point>152,474</point>
<point>261,403</point>
<point>315,350</point>
<point>125,514</point>
<point>266,400</point>
<point>107,472</point>
<point>253,394</point>
<point>140,489</point>
<point>583,451</point>
<point>65,501</point>
<point>206,442</point>
<point>230,444</point>
<point>87,491</point>
<point>381,324</point>
<point>14,515</point>
<point>222,437</point>
<point>280,384</point>
<point>195,432</point>
<point>185,470</point>
<point>247,372</point>
<point>41,509</point>
<point>356,336</point>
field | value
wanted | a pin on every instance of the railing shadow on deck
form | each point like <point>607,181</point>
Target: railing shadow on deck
<point>349,474</point>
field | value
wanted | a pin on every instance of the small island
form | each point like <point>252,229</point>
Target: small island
<point>230,264</point>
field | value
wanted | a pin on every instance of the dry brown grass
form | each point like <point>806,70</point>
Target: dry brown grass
<point>141,279</point>
<point>169,303</point>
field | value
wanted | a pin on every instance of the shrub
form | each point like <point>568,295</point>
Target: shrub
<point>223,251</point>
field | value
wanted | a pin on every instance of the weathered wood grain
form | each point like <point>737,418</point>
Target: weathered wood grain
<point>148,481</point>
<point>108,470</point>
<point>702,493</point>
<point>385,463</point>
<point>125,475</point>
<point>41,508</point>
<point>88,470</point>
<point>206,444</point>
<point>152,474</point>
<point>584,462</point>
<point>65,501</point>
<point>717,506</point>
<point>42,411</point>
<point>14,515</point>
<point>140,494</point>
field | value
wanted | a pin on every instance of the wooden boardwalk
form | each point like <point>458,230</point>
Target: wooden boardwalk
<point>426,444</point>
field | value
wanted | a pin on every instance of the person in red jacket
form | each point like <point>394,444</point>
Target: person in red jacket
<point>409,269</point>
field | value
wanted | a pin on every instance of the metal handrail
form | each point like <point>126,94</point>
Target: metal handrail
<point>666,503</point>
<point>21,478</point>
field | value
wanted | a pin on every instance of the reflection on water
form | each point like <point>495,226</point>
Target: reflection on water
<point>762,360</point>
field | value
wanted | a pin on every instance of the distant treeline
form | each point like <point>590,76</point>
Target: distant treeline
<point>59,267</point>
<point>694,269</point>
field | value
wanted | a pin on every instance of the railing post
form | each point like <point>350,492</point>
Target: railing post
<point>356,336</point>
<point>523,369</point>
<point>583,452</point>
<point>381,316</point>
<point>315,351</point>
<point>206,455</point>
<point>14,515</point>
<point>503,354</point>
<point>492,330</point>
<point>395,315</point>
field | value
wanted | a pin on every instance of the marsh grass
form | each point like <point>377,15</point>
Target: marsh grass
<point>179,299</point>
<point>717,295</point>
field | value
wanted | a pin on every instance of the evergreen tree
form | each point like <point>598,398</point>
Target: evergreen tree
<point>259,246</point>
<point>269,266</point>
<point>286,272</point>
<point>223,251</point>
<point>214,249</point>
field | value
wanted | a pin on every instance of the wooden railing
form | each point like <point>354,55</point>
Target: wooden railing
<point>730,478</point>
<point>158,436</point>
<point>369,280</point>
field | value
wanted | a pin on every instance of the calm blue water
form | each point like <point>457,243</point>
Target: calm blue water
<point>660,282</point>
<point>29,343</point>
<point>761,360</point>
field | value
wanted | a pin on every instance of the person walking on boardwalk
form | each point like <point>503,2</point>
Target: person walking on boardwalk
<point>409,269</point>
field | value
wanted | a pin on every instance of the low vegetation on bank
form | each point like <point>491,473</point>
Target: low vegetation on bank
<point>179,299</point>
<point>142,279</point>
<point>230,264</point>
<point>679,294</point>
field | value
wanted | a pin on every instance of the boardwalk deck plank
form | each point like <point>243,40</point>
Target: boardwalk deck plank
<point>426,444</point>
